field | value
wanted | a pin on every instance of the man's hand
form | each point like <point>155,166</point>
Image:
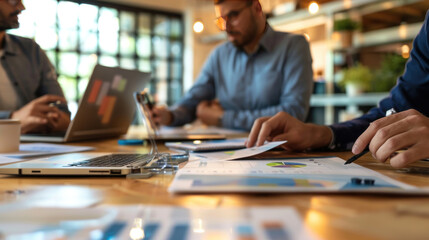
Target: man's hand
<point>210,112</point>
<point>405,130</point>
<point>161,115</point>
<point>58,120</point>
<point>39,116</point>
<point>282,126</point>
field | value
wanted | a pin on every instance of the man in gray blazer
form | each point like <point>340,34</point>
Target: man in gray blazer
<point>29,90</point>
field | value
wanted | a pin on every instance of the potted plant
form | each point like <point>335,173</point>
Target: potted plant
<point>344,28</point>
<point>391,68</point>
<point>356,80</point>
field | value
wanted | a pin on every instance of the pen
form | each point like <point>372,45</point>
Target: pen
<point>355,157</point>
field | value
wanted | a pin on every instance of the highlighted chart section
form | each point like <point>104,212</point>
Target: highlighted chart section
<point>94,91</point>
<point>286,165</point>
<point>107,108</point>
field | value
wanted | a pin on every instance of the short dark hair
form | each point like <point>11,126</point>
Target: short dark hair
<point>221,1</point>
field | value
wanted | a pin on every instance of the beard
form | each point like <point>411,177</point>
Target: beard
<point>9,22</point>
<point>247,37</point>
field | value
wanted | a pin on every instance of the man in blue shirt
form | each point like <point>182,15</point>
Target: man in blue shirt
<point>408,129</point>
<point>28,81</point>
<point>258,72</point>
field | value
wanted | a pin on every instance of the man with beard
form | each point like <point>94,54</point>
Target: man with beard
<point>28,81</point>
<point>258,72</point>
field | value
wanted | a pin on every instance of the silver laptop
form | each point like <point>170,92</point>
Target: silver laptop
<point>81,164</point>
<point>100,164</point>
<point>106,109</point>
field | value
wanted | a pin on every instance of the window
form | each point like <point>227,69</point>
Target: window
<point>76,35</point>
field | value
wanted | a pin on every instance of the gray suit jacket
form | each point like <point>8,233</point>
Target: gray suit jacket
<point>29,69</point>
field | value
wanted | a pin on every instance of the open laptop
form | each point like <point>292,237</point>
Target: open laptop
<point>100,164</point>
<point>106,109</point>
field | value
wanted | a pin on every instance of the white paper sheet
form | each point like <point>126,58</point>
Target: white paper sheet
<point>325,174</point>
<point>234,154</point>
<point>40,149</point>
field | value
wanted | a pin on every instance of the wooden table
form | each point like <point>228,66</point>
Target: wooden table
<point>330,216</point>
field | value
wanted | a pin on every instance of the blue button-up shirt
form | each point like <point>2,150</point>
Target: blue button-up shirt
<point>277,77</point>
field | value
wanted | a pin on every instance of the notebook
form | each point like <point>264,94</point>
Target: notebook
<point>205,146</point>
<point>106,108</point>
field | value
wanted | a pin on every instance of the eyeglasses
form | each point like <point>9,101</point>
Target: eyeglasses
<point>231,17</point>
<point>14,3</point>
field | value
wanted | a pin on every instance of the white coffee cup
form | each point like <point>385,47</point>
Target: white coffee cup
<point>10,131</point>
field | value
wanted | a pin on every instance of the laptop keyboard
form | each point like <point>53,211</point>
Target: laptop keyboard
<point>114,160</point>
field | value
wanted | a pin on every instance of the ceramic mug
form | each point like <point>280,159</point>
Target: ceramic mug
<point>10,131</point>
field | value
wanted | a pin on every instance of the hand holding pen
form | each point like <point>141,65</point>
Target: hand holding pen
<point>366,150</point>
<point>387,137</point>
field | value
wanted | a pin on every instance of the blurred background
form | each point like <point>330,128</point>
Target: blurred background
<point>359,47</point>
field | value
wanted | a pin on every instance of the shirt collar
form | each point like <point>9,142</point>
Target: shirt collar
<point>9,47</point>
<point>266,41</point>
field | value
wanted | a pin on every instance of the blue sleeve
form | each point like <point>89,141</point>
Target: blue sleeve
<point>204,89</point>
<point>410,92</point>
<point>296,89</point>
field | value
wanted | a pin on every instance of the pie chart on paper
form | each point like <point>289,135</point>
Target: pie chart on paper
<point>286,165</point>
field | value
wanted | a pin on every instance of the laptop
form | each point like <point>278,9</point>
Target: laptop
<point>84,164</point>
<point>100,164</point>
<point>106,109</point>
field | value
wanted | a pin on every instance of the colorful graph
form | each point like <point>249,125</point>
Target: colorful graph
<point>250,181</point>
<point>230,152</point>
<point>103,98</point>
<point>286,165</point>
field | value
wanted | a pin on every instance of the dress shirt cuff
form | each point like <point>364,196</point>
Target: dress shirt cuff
<point>344,137</point>
<point>332,144</point>
<point>180,116</point>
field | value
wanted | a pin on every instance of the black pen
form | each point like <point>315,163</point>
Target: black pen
<point>355,157</point>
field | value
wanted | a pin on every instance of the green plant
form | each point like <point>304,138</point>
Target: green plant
<point>358,75</point>
<point>345,24</point>
<point>391,68</point>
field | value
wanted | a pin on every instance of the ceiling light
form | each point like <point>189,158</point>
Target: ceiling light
<point>198,26</point>
<point>313,7</point>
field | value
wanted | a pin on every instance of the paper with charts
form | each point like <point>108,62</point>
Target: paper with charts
<point>234,154</point>
<point>322,174</point>
<point>155,223</point>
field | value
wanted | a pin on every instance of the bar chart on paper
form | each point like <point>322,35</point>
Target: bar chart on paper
<point>324,174</point>
<point>174,223</point>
